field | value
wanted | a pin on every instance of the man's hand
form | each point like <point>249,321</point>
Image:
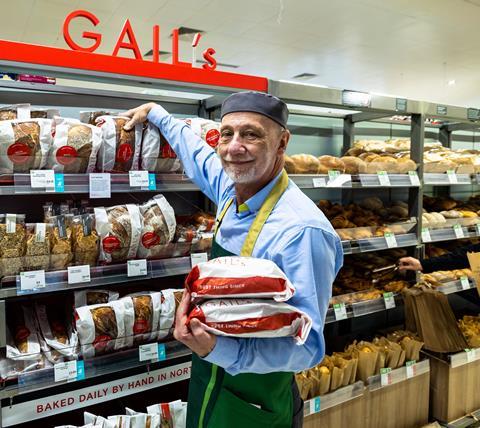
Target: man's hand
<point>196,337</point>
<point>137,115</point>
<point>409,263</point>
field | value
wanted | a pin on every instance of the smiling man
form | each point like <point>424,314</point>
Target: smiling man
<point>239,382</point>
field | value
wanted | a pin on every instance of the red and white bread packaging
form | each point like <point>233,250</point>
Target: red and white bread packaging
<point>228,277</point>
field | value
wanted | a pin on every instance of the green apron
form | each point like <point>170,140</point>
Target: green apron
<point>219,400</point>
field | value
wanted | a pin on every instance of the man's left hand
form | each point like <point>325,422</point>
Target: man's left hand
<point>194,336</point>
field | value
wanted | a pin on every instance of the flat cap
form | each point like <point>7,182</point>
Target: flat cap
<point>257,102</point>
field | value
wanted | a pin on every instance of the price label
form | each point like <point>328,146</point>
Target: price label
<point>137,267</point>
<point>458,231</point>
<point>78,274</point>
<point>465,283</point>
<point>59,183</point>
<point>319,182</point>
<point>426,235</point>
<point>32,280</point>
<point>340,311</point>
<point>389,300</point>
<point>338,180</point>
<point>148,352</point>
<point>42,179</point>
<point>386,376</point>
<point>471,355</point>
<point>152,182</point>
<point>383,178</point>
<point>198,258</point>
<point>100,185</point>
<point>414,180</point>
<point>138,178</point>
<point>452,177</point>
<point>477,226</point>
<point>314,405</point>
<point>66,371</point>
<point>411,368</point>
<point>162,352</point>
<point>391,240</point>
<point>40,232</point>
<point>11,223</point>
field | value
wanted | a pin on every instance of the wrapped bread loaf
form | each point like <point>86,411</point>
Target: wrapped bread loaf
<point>12,243</point>
<point>94,297</point>
<point>75,147</point>
<point>91,116</point>
<point>157,155</point>
<point>119,228</point>
<point>207,130</point>
<point>120,149</point>
<point>170,299</point>
<point>17,111</point>
<point>85,240</point>
<point>146,308</point>
<point>37,254</point>
<point>61,254</point>
<point>22,338</point>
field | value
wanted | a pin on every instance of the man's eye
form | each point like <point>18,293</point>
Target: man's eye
<point>226,134</point>
<point>250,135</point>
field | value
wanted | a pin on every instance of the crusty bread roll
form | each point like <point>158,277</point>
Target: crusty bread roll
<point>353,165</point>
<point>289,165</point>
<point>305,164</point>
<point>383,163</point>
<point>405,165</point>
<point>330,163</point>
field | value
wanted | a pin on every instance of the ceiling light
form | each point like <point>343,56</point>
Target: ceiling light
<point>451,82</point>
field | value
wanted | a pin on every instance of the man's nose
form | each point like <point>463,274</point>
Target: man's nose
<point>236,147</point>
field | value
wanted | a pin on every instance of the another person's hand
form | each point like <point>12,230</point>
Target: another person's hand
<point>409,263</point>
<point>196,337</point>
<point>137,115</point>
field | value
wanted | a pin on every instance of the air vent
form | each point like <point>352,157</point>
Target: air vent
<point>304,76</point>
<point>162,54</point>
<point>186,33</point>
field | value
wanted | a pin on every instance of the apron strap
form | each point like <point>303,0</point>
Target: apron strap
<point>219,220</point>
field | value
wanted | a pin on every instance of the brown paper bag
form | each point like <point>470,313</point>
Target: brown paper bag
<point>401,359</point>
<point>368,356</point>
<point>324,373</point>
<point>390,350</point>
<point>474,260</point>
<point>350,371</point>
<point>304,384</point>
<point>336,366</point>
<point>412,348</point>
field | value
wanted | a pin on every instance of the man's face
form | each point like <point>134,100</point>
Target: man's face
<point>251,146</point>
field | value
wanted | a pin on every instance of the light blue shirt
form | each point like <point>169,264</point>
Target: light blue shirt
<point>296,236</point>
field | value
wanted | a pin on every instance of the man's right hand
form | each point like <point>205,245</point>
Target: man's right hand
<point>137,115</point>
<point>409,263</point>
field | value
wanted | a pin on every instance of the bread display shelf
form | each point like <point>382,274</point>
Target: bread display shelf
<point>327,401</point>
<point>464,357</point>
<point>441,179</point>
<point>20,184</point>
<point>100,276</point>
<point>99,366</point>
<point>469,420</point>
<point>450,234</point>
<point>398,375</point>
<point>359,181</point>
<point>455,286</point>
<point>379,243</point>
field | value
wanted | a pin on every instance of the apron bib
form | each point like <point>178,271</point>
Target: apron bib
<point>219,400</point>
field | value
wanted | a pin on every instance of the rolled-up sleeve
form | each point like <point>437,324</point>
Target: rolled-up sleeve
<point>199,160</point>
<point>311,259</point>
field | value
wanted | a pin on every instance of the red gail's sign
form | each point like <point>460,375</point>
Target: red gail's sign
<point>82,56</point>
<point>83,397</point>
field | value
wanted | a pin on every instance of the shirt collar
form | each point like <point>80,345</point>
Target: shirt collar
<point>254,203</point>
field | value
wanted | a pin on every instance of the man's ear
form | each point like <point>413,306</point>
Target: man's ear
<point>284,139</point>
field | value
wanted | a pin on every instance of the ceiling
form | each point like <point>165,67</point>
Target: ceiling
<point>409,48</point>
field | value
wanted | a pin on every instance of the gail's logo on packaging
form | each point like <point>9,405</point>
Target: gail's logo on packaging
<point>126,40</point>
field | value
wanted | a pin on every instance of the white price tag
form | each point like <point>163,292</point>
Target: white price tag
<point>465,282</point>
<point>478,228</point>
<point>137,267</point>
<point>65,371</point>
<point>148,352</point>
<point>40,232</point>
<point>426,235</point>
<point>414,180</point>
<point>340,311</point>
<point>452,177</point>
<point>386,376</point>
<point>314,405</point>
<point>100,185</point>
<point>338,180</point>
<point>471,355</point>
<point>32,280</point>
<point>197,258</point>
<point>458,231</point>
<point>138,178</point>
<point>319,182</point>
<point>11,223</point>
<point>411,368</point>
<point>78,274</point>
<point>391,241</point>
<point>42,179</point>
<point>389,300</point>
<point>383,178</point>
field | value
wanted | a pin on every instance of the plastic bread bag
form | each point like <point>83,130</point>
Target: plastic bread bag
<point>170,300</point>
<point>239,277</point>
<point>37,253</point>
<point>75,146</point>
<point>120,149</point>
<point>24,145</point>
<point>146,307</point>
<point>91,116</point>
<point>16,111</point>
<point>120,421</point>
<point>23,342</point>
<point>204,222</point>
<point>85,240</point>
<point>157,155</point>
<point>252,318</point>
<point>13,238</point>
<point>44,113</point>
<point>143,420</point>
<point>56,330</point>
<point>207,130</point>
<point>61,254</point>
<point>172,415</point>
<point>101,328</point>
<point>119,228</point>
<point>158,226</point>
<point>94,420</point>
<point>94,297</point>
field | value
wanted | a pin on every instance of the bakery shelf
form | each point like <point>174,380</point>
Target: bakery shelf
<point>398,375</point>
<point>464,357</point>
<point>100,276</point>
<point>327,401</point>
<point>434,179</point>
<point>94,367</point>
<point>379,243</point>
<point>347,181</point>
<point>448,234</point>
<point>19,184</point>
<point>455,286</point>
